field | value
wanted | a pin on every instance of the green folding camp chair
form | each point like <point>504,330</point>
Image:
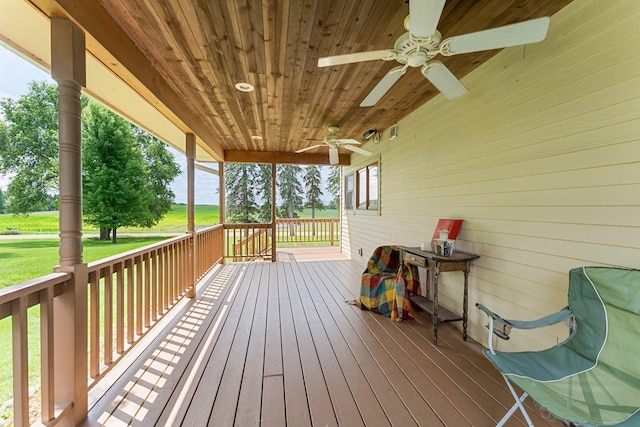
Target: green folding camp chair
<point>593,377</point>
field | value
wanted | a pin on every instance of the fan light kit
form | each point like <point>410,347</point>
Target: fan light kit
<point>244,87</point>
<point>422,42</point>
<point>333,142</point>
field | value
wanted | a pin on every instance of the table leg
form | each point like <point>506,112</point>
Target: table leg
<point>465,302</point>
<point>436,276</point>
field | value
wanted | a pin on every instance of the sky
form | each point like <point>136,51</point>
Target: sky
<point>15,75</point>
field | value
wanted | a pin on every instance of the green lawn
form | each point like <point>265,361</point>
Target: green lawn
<point>47,222</point>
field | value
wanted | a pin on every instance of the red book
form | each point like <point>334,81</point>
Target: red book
<point>452,225</point>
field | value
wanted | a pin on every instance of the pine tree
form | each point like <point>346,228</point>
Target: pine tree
<point>240,198</point>
<point>312,182</point>
<point>333,186</point>
<point>290,190</point>
<point>264,192</point>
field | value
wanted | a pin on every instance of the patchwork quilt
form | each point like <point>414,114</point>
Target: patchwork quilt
<point>387,283</point>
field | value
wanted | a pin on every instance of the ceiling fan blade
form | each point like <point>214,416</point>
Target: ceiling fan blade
<point>350,58</point>
<point>333,156</point>
<point>383,86</point>
<point>348,141</point>
<point>424,16</point>
<point>358,150</point>
<point>443,80</point>
<point>525,32</point>
<point>310,148</point>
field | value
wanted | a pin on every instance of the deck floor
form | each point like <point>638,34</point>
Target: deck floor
<point>275,344</point>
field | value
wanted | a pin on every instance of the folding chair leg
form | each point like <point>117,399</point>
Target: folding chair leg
<point>516,406</point>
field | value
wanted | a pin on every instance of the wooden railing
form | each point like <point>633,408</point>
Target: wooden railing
<point>129,292</point>
<point>307,230</point>
<point>14,302</point>
<point>210,246</point>
<point>127,295</point>
<point>247,242</point>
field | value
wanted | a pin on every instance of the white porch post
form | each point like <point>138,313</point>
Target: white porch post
<point>70,310</point>
<point>191,227</point>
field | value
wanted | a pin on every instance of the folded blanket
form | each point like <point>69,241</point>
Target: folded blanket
<point>387,283</point>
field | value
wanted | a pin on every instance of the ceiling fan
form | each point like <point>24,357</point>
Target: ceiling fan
<point>422,42</point>
<point>333,142</point>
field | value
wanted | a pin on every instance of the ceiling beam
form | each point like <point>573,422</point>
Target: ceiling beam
<point>118,53</point>
<point>268,157</point>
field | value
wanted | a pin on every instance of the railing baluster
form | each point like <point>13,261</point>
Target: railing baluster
<point>108,315</point>
<point>130,299</point>
<point>120,307</point>
<point>146,259</point>
<point>94,324</point>
<point>20,362</point>
<point>137,262</point>
<point>47,397</point>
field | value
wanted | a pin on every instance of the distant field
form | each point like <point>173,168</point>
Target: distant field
<point>47,222</point>
<point>175,221</point>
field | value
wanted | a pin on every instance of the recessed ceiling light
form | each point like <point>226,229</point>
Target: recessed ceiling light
<point>244,87</point>
<point>256,137</point>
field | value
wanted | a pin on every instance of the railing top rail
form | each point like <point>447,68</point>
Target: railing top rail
<point>13,292</point>
<point>246,225</point>
<point>306,219</point>
<point>136,252</point>
<point>209,228</point>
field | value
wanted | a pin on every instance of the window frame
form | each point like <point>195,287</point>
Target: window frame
<point>371,188</point>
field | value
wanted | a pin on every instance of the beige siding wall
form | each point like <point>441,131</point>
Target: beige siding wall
<point>541,159</point>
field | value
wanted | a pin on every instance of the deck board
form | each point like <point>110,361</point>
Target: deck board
<point>275,344</point>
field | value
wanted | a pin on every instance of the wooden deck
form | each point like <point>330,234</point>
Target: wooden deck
<point>275,344</point>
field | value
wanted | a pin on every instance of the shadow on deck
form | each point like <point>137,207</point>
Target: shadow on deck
<point>275,344</point>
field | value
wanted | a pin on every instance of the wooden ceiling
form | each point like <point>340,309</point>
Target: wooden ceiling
<point>201,48</point>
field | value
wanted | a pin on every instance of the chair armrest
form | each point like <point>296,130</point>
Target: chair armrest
<point>504,325</point>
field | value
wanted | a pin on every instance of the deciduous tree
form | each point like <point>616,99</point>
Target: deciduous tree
<point>29,148</point>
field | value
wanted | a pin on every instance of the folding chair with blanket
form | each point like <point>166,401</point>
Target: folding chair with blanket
<point>593,377</point>
<point>387,283</point>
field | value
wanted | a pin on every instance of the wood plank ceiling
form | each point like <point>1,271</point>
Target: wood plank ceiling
<point>203,48</point>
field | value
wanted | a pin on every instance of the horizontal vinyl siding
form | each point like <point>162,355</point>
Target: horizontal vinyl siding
<point>541,159</point>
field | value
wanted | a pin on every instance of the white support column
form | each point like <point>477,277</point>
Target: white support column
<point>191,227</point>
<point>68,68</point>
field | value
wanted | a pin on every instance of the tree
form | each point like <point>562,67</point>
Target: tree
<point>116,188</point>
<point>29,148</point>
<point>1,201</point>
<point>161,170</point>
<point>333,186</point>
<point>240,198</point>
<point>264,192</point>
<point>312,182</point>
<point>290,190</point>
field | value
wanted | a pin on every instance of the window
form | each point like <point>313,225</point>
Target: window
<point>367,187</point>
<point>348,191</point>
